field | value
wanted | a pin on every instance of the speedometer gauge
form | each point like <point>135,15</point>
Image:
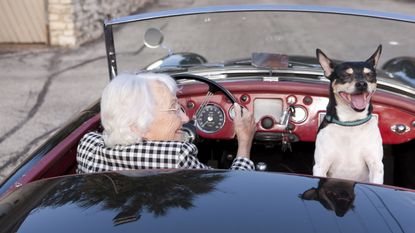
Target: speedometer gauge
<point>210,119</point>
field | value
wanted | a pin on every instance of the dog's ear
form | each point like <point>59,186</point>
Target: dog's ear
<point>373,60</point>
<point>310,194</point>
<point>325,63</point>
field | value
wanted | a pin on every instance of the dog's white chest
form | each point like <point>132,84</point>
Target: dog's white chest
<point>348,152</point>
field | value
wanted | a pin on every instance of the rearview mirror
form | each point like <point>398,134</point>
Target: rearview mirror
<point>153,38</point>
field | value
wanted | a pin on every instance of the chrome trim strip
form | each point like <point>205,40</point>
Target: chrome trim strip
<point>396,86</point>
<point>248,8</point>
<point>214,72</point>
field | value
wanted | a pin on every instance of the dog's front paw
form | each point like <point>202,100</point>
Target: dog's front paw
<point>377,178</point>
<point>376,172</point>
<point>319,171</point>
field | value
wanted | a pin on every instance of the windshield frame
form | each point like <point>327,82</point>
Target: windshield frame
<point>108,24</point>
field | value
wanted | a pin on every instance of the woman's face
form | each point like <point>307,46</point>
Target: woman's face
<point>168,118</point>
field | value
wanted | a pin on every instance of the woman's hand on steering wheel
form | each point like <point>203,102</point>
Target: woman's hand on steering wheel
<point>244,122</point>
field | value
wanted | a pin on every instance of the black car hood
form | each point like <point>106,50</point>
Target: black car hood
<point>205,201</point>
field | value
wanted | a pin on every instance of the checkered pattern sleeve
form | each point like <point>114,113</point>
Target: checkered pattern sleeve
<point>87,148</point>
<point>187,157</point>
<point>242,163</point>
<point>94,156</point>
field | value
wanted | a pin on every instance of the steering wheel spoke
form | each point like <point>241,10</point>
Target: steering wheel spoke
<point>203,104</point>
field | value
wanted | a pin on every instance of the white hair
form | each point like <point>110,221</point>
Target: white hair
<point>128,100</point>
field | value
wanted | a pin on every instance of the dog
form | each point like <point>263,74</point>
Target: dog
<point>335,195</point>
<point>348,143</point>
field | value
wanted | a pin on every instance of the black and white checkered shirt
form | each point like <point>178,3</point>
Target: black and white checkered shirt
<point>94,156</point>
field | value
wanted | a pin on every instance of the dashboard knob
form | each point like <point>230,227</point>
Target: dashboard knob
<point>400,128</point>
<point>190,105</point>
<point>267,122</point>
<point>307,100</point>
<point>244,98</point>
<point>291,100</point>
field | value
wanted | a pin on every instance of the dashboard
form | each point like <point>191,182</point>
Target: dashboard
<point>287,109</point>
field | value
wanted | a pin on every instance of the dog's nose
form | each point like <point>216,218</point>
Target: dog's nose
<point>361,85</point>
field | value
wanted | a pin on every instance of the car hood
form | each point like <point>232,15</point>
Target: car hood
<point>207,201</point>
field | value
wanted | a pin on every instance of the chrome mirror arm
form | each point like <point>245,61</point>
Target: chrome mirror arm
<point>286,115</point>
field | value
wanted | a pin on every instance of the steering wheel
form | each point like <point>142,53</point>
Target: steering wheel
<point>190,127</point>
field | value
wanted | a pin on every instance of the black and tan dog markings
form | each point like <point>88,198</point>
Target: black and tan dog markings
<point>349,143</point>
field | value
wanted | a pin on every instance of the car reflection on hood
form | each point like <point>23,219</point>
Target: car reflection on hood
<point>216,200</point>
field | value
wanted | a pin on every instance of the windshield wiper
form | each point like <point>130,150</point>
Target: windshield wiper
<point>171,69</point>
<point>292,64</point>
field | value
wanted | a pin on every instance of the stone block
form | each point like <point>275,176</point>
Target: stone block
<point>50,2</point>
<point>68,18</point>
<point>54,40</point>
<point>65,1</point>
<point>70,26</point>
<point>54,17</point>
<point>60,9</point>
<point>69,33</point>
<point>58,25</point>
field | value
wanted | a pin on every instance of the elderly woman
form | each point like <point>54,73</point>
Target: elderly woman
<point>142,121</point>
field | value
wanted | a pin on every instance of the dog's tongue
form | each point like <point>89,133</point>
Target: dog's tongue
<point>358,101</point>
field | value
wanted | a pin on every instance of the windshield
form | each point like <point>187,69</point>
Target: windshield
<point>223,37</point>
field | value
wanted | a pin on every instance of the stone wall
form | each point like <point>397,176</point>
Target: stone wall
<point>74,22</point>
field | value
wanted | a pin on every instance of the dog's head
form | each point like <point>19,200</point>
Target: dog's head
<point>335,195</point>
<point>352,83</point>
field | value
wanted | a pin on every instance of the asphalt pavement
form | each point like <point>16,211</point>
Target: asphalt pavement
<point>42,87</point>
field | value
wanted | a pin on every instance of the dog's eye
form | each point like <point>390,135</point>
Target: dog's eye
<point>346,77</point>
<point>371,76</point>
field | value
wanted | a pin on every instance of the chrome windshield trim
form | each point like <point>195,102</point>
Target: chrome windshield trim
<point>214,72</point>
<point>407,89</point>
<point>248,8</point>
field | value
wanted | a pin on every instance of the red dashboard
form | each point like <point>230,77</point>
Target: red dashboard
<point>268,100</point>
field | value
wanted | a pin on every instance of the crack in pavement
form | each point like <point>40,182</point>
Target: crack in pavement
<point>41,96</point>
<point>12,160</point>
<point>40,99</point>
<point>22,55</point>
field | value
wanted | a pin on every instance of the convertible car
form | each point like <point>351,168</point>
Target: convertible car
<point>263,57</point>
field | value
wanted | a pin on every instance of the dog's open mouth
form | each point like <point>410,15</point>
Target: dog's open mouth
<point>357,101</point>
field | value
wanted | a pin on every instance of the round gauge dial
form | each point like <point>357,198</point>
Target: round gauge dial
<point>300,115</point>
<point>211,119</point>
